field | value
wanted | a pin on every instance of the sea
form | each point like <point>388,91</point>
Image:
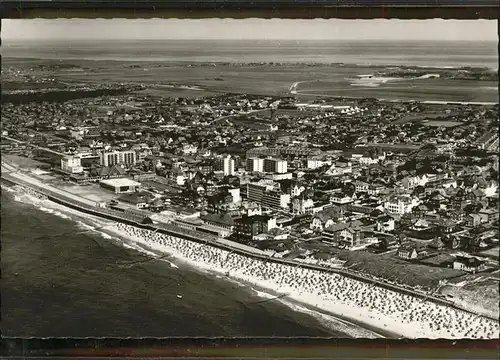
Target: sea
<point>64,277</point>
<point>362,52</point>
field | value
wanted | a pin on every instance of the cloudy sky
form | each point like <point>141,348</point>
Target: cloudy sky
<point>317,29</point>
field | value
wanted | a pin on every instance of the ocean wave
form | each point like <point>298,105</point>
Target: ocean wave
<point>329,322</point>
<point>46,210</point>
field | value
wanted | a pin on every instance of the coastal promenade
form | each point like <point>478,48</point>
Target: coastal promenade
<point>14,176</point>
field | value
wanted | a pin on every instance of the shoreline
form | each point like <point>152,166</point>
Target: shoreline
<point>271,294</point>
<point>387,316</point>
<point>109,233</point>
<point>377,309</point>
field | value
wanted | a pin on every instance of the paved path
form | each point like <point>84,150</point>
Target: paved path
<point>35,146</point>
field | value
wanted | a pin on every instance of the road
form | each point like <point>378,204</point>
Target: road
<point>35,146</point>
<point>19,176</point>
<point>233,115</point>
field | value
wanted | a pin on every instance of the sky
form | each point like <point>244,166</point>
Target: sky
<point>275,29</point>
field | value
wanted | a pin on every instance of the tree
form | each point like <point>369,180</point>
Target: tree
<point>418,190</point>
<point>406,221</point>
<point>349,188</point>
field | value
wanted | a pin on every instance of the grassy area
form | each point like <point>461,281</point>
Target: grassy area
<point>266,80</point>
<point>480,293</point>
<point>22,161</point>
<point>437,123</point>
<point>388,266</point>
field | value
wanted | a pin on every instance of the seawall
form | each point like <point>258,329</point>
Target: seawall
<point>136,220</point>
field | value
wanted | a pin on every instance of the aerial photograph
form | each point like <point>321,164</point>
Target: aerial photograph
<point>250,178</point>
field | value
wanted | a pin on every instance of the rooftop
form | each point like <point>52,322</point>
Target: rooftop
<point>120,182</point>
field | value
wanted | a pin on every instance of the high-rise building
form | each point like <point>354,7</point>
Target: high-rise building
<point>255,165</point>
<point>265,194</point>
<point>228,165</point>
<point>273,165</point>
<point>275,200</point>
<point>71,164</point>
<point>127,157</point>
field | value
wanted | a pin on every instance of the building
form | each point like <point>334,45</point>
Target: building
<point>344,235</point>
<point>247,227</point>
<point>126,157</point>
<point>120,185</point>
<point>341,198</point>
<point>469,264</point>
<point>385,223</point>
<point>315,163</point>
<point>488,141</point>
<point>189,149</point>
<point>221,224</point>
<point>326,218</point>
<point>273,165</point>
<point>301,206</point>
<point>228,166</point>
<point>255,191</point>
<point>361,186</point>
<point>400,205</point>
<point>407,252</point>
<point>255,165</point>
<point>283,151</point>
<point>137,199</point>
<point>488,215</point>
<point>274,199</point>
<point>411,182</point>
<point>71,164</point>
<point>235,193</point>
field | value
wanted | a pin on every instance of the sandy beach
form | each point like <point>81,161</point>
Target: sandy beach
<point>358,302</point>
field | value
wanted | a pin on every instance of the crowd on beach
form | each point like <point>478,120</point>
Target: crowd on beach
<point>378,307</point>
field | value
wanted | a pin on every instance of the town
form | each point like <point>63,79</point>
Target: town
<point>406,192</point>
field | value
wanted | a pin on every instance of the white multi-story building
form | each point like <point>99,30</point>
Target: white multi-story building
<point>124,157</point>
<point>235,193</point>
<point>313,163</point>
<point>228,165</point>
<point>275,200</point>
<point>273,165</point>
<point>255,165</point>
<point>411,182</point>
<point>71,164</point>
<point>401,205</point>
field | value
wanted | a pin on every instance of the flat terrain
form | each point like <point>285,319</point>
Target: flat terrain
<point>388,266</point>
<point>22,161</point>
<point>90,192</point>
<point>311,81</point>
<point>418,89</point>
<point>478,292</point>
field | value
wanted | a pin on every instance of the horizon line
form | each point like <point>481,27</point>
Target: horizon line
<point>21,39</point>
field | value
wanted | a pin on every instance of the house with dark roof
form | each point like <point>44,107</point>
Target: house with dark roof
<point>247,227</point>
<point>326,217</point>
<point>140,200</point>
<point>469,264</point>
<point>344,235</point>
<point>488,215</point>
<point>473,220</point>
<point>218,220</point>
